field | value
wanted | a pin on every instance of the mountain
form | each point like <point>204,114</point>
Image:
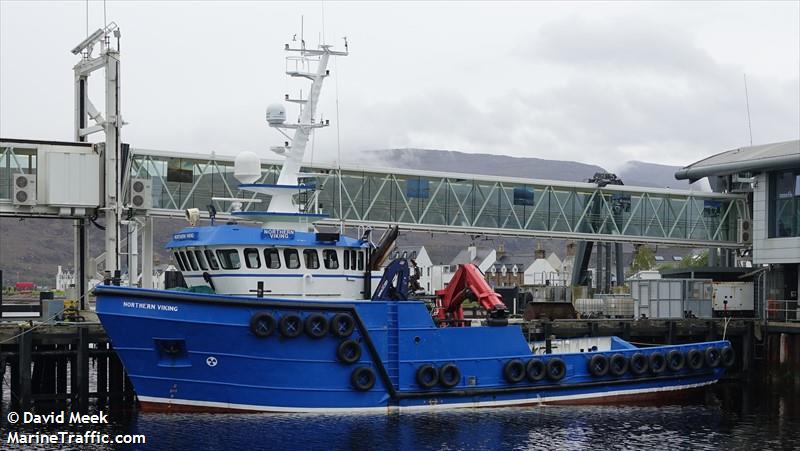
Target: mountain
<point>485,164</point>
<point>639,173</point>
<point>636,173</point>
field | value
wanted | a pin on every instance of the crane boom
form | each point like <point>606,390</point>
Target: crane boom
<point>469,282</point>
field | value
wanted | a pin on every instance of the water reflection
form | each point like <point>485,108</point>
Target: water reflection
<point>732,416</point>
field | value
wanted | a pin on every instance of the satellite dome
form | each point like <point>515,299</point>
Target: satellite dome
<point>247,167</point>
<point>276,114</point>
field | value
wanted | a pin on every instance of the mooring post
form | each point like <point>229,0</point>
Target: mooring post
<point>61,372</point>
<point>82,361</point>
<point>102,374</point>
<point>114,380</point>
<point>24,371</point>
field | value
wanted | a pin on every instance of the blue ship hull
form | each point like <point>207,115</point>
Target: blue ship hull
<point>204,352</point>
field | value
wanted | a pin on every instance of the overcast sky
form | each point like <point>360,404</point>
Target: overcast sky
<point>593,82</point>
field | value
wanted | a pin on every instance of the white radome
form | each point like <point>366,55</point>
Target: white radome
<point>276,114</point>
<point>247,167</point>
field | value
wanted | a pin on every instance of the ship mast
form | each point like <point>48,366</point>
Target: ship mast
<point>300,66</point>
<point>283,210</point>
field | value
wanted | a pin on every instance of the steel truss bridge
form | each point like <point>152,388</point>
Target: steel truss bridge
<point>451,202</point>
<point>439,202</point>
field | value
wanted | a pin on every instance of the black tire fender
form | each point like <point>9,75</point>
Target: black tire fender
<point>449,375</point>
<point>514,371</point>
<point>262,324</point>
<point>675,360</point>
<point>618,365</point>
<point>694,359</point>
<point>316,325</point>
<point>657,361</point>
<point>427,376</point>
<point>712,357</point>
<point>342,325</point>
<point>348,351</point>
<point>536,370</point>
<point>363,378</point>
<point>291,326</point>
<point>598,365</point>
<point>638,364</point>
<point>556,369</point>
<point>728,356</point>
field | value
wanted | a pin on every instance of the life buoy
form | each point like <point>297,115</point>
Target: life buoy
<point>556,369</point>
<point>535,369</point>
<point>728,356</point>
<point>638,364</point>
<point>316,326</point>
<point>598,365</point>
<point>449,375</point>
<point>658,363</point>
<point>694,359</point>
<point>349,351</point>
<point>291,326</point>
<point>363,378</point>
<point>262,324</point>
<point>514,371</point>
<point>427,376</point>
<point>342,325</point>
<point>617,365</point>
<point>712,357</point>
<point>675,360</point>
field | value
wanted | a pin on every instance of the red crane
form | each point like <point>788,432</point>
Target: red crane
<point>468,282</point>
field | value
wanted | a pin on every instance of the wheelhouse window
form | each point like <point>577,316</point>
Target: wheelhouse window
<point>229,258</point>
<point>346,258</point>
<point>784,204</point>
<point>192,261</point>
<point>292,258</point>
<point>272,259</point>
<point>331,258</point>
<point>251,258</point>
<point>360,260</point>
<point>200,260</point>
<point>212,260</point>
<point>311,258</point>
<point>179,261</point>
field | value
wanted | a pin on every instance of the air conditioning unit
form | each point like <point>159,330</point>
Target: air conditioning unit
<point>745,231</point>
<point>24,189</point>
<point>141,197</point>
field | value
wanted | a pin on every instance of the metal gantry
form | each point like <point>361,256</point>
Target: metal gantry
<point>450,202</point>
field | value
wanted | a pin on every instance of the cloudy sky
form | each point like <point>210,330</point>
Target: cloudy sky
<point>598,83</point>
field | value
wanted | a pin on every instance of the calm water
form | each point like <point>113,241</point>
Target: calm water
<point>730,416</point>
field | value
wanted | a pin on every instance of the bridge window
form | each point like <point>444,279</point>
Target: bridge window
<point>179,261</point>
<point>192,261</point>
<point>360,260</point>
<point>347,260</point>
<point>272,259</point>
<point>311,258</point>
<point>251,258</point>
<point>331,258</point>
<point>229,258</point>
<point>212,260</point>
<point>292,258</point>
<point>784,204</point>
<point>200,260</point>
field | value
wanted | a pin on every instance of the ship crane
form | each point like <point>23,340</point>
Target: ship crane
<point>468,282</point>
